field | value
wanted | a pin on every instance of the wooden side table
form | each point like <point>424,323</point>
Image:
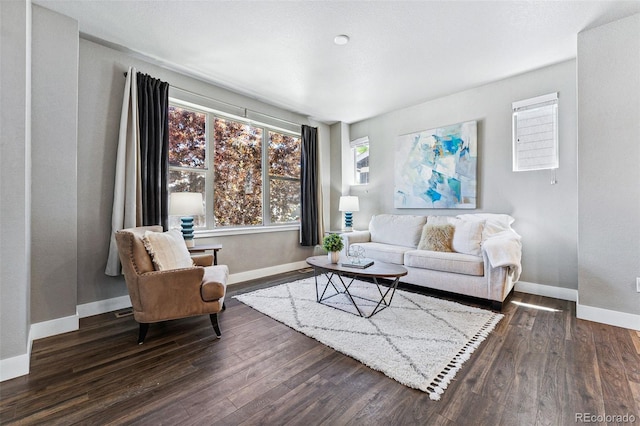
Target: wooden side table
<point>207,247</point>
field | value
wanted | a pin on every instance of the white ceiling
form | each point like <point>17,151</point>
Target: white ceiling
<point>401,53</point>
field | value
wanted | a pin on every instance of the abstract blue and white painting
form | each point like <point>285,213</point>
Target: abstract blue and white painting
<point>436,168</point>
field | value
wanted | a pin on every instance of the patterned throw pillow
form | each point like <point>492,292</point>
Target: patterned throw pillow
<point>167,250</point>
<point>437,238</point>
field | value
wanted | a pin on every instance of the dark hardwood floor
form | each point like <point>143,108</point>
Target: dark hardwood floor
<point>537,367</point>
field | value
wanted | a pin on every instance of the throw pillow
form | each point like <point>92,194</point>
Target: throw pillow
<point>167,250</point>
<point>467,237</point>
<point>436,238</point>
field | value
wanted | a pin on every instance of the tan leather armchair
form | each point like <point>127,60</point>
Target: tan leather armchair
<point>171,294</point>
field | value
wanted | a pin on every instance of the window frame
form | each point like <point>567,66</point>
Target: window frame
<point>353,146</point>
<point>266,176</point>
<point>210,115</point>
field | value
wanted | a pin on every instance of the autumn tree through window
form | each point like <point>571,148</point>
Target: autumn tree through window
<point>225,159</point>
<point>284,177</point>
<point>237,194</point>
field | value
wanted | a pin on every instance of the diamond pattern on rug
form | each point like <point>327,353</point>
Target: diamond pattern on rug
<point>420,341</point>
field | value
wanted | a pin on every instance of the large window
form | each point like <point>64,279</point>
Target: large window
<point>223,158</point>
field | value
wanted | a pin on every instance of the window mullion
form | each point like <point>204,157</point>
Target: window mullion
<point>209,176</point>
<point>266,184</point>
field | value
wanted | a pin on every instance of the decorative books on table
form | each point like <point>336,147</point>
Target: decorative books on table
<point>360,263</point>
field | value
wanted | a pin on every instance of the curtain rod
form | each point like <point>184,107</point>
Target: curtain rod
<point>234,106</point>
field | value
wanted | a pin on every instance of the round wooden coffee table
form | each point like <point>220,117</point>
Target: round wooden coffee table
<point>340,278</point>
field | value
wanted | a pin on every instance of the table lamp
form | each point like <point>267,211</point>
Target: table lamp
<point>186,205</point>
<point>348,204</point>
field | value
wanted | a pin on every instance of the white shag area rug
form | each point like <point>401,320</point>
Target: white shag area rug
<point>419,341</point>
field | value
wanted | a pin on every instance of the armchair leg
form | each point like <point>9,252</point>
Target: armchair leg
<point>214,323</point>
<point>144,327</point>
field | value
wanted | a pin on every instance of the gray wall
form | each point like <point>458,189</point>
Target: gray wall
<point>15,180</point>
<point>54,157</point>
<point>339,139</point>
<point>546,215</point>
<point>101,85</point>
<point>609,165</point>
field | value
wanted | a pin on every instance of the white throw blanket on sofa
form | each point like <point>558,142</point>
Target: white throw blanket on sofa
<point>501,243</point>
<point>505,249</point>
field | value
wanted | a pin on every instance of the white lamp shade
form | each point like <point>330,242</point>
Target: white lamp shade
<point>349,203</point>
<point>185,204</point>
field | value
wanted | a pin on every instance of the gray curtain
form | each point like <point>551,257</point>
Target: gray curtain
<point>310,193</point>
<point>153,113</point>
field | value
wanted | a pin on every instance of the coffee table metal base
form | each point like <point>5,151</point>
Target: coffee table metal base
<point>337,282</point>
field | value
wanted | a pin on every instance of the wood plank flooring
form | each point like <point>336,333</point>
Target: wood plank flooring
<point>536,367</point>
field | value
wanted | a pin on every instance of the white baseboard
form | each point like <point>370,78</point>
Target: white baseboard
<point>607,316</point>
<point>17,366</point>
<point>589,313</point>
<point>265,272</point>
<point>103,306</point>
<point>547,291</point>
<point>44,329</point>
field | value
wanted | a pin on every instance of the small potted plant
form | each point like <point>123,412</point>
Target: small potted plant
<point>333,244</point>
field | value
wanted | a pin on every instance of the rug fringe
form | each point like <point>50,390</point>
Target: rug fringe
<point>442,380</point>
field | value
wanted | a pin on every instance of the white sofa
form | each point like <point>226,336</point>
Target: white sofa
<point>484,263</point>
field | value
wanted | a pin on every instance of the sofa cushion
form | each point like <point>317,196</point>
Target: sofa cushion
<point>384,252</point>
<point>467,237</point>
<point>458,263</point>
<point>399,230</point>
<point>167,250</point>
<point>436,238</point>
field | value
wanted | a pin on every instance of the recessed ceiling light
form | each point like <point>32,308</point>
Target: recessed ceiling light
<point>341,39</point>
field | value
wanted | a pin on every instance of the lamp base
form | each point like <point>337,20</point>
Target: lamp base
<point>187,230</point>
<point>348,220</point>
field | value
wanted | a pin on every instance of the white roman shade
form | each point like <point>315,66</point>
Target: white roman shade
<point>535,133</point>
